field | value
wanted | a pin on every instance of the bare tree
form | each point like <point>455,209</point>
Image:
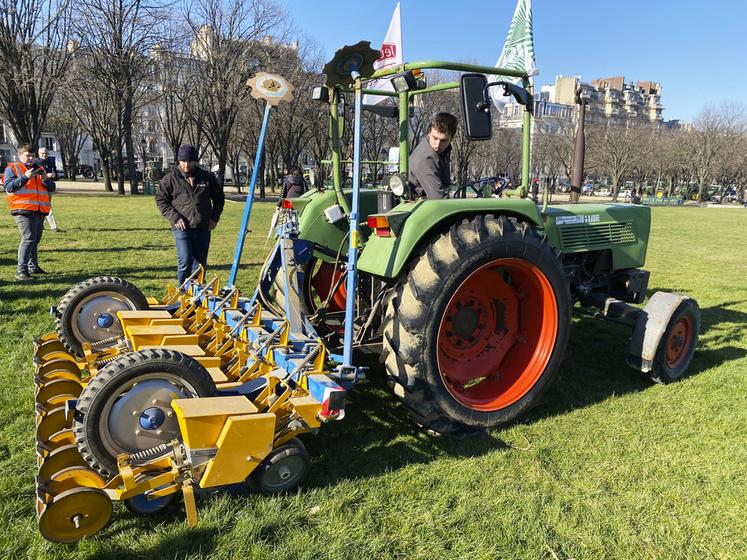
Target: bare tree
<point>614,150</point>
<point>71,137</point>
<point>226,41</point>
<point>714,133</point>
<point>319,142</point>
<point>377,134</point>
<point>505,153</point>
<point>118,37</point>
<point>173,82</point>
<point>33,56</point>
<point>93,108</point>
<point>553,146</point>
<point>731,171</point>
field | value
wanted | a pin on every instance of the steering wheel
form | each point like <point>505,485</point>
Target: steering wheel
<point>461,192</point>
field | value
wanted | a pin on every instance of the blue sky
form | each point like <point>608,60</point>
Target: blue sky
<point>674,42</point>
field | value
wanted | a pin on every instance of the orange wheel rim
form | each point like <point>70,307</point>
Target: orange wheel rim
<point>323,280</point>
<point>497,334</point>
<point>679,341</point>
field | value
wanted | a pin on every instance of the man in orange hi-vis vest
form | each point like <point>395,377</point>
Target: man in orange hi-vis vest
<point>27,185</point>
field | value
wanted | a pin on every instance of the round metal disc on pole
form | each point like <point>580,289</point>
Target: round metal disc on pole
<point>358,58</point>
<point>272,88</point>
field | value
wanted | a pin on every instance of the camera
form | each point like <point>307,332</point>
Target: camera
<point>36,165</point>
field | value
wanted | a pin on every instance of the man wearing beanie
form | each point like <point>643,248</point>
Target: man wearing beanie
<point>191,199</point>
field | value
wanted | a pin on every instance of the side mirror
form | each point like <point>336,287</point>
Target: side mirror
<point>522,96</point>
<point>476,112</point>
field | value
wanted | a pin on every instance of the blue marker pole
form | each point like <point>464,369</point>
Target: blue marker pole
<point>249,200</point>
<point>347,357</point>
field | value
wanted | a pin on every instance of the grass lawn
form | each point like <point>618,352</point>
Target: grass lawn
<point>609,467</point>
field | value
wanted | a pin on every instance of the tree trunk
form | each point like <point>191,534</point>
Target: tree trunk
<point>261,177</point>
<point>222,161</point>
<point>119,165</point>
<point>130,149</point>
<point>107,169</point>
<point>615,179</point>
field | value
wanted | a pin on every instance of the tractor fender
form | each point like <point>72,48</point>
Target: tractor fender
<point>386,257</point>
<point>649,327</point>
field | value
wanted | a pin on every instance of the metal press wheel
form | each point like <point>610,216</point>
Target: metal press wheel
<point>126,408</point>
<point>283,469</point>
<point>87,313</point>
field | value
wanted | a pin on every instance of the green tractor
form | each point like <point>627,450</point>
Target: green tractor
<point>468,300</point>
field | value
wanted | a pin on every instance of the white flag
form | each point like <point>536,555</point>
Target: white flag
<point>518,51</point>
<point>391,55</point>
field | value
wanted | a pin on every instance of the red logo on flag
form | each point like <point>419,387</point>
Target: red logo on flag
<point>388,50</point>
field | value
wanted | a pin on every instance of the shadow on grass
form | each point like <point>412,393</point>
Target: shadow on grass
<point>585,379</point>
<point>94,228</point>
<point>377,435</point>
<point>144,247</point>
<point>56,285</point>
<point>199,540</point>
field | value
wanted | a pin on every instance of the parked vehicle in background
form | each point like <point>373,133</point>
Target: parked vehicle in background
<point>603,191</point>
<point>86,171</point>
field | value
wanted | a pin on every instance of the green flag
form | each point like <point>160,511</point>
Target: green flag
<point>518,50</point>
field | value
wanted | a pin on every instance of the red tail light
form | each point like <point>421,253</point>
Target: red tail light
<point>380,225</point>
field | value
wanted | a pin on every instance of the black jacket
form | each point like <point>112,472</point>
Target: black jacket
<point>198,205</point>
<point>293,186</point>
<point>430,172</point>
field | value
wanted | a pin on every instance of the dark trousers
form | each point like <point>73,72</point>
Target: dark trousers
<point>191,248</point>
<point>31,228</point>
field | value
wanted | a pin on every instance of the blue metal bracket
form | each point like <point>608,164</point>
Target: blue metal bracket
<point>353,238</point>
<point>249,200</point>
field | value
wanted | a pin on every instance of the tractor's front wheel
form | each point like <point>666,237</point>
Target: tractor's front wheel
<point>476,331</point>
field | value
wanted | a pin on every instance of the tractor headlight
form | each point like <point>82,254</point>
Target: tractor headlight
<point>398,184</point>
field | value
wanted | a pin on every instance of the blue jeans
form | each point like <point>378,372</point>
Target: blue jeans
<point>191,248</point>
<point>31,228</point>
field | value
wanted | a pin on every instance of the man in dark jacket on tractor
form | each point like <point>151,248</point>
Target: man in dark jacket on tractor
<point>191,199</point>
<point>430,162</point>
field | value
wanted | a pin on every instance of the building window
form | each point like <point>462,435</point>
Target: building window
<point>48,143</point>
<point>3,137</point>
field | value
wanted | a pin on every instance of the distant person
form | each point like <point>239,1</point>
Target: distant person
<point>499,185</point>
<point>430,163</point>
<point>191,199</point>
<point>49,167</point>
<point>316,177</point>
<point>294,184</point>
<point>28,185</point>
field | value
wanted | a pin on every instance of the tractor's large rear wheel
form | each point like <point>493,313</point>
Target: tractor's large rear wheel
<point>87,313</point>
<point>476,331</point>
<point>323,285</point>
